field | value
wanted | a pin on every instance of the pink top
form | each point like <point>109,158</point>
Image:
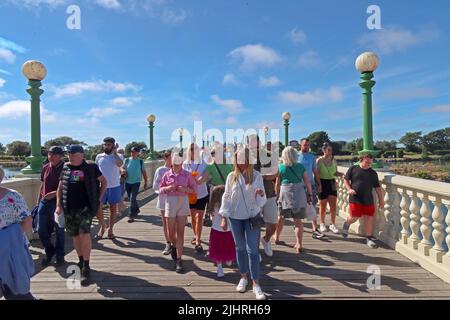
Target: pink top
<point>183,179</point>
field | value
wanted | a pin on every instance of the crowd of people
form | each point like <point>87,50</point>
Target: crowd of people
<point>241,191</point>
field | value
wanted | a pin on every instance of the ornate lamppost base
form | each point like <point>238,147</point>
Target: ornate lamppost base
<point>376,164</point>
<point>34,166</point>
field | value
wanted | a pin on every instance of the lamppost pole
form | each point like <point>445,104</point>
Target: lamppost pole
<point>266,134</point>
<point>366,64</point>
<point>180,131</point>
<point>286,116</point>
<point>151,120</point>
<point>34,71</point>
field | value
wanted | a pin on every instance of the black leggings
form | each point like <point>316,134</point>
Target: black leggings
<point>11,296</point>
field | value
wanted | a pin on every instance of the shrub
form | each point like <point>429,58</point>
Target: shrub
<point>423,175</point>
<point>389,154</point>
<point>442,152</point>
<point>399,153</point>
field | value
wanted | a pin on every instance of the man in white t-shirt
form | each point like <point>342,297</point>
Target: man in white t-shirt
<point>109,163</point>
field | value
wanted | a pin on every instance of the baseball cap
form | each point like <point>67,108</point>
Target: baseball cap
<point>56,150</point>
<point>75,148</point>
<point>135,149</point>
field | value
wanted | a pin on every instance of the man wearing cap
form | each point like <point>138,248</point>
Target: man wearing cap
<point>46,207</point>
<point>109,163</point>
<point>80,189</point>
<point>134,170</point>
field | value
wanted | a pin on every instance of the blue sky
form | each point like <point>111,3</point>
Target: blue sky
<point>231,64</point>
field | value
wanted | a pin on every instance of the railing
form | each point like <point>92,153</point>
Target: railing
<point>415,220</point>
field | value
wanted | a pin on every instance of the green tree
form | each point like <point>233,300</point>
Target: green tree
<point>62,141</point>
<point>385,145</point>
<point>355,145</point>
<point>2,148</point>
<point>412,141</point>
<point>92,151</point>
<point>437,140</point>
<point>18,148</point>
<point>141,145</point>
<point>317,139</point>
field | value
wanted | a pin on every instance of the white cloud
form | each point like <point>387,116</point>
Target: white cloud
<point>172,17</point>
<point>395,39</point>
<point>310,98</point>
<point>269,81</point>
<point>442,108</point>
<point>109,4</point>
<point>37,3</point>
<point>7,55</point>
<point>253,55</point>
<point>231,105</point>
<point>125,101</point>
<point>8,44</point>
<point>297,36</point>
<point>2,82</point>
<point>308,59</point>
<point>103,112</point>
<point>229,78</point>
<point>78,88</point>
<point>231,120</point>
<point>16,109</point>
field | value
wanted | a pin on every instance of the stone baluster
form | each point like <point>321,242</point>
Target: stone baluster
<point>437,251</point>
<point>414,223</point>
<point>340,194</point>
<point>387,210</point>
<point>396,197</point>
<point>425,227</point>
<point>404,220</point>
<point>446,258</point>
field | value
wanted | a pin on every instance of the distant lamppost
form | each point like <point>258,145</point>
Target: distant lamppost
<point>151,118</point>
<point>266,134</point>
<point>366,64</point>
<point>180,131</point>
<point>286,117</point>
<point>34,71</point>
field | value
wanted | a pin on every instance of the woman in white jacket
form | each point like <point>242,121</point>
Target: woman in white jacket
<point>243,199</point>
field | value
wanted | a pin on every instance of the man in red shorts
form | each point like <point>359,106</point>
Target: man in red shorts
<point>360,181</point>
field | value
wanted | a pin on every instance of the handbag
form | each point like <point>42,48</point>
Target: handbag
<point>256,222</point>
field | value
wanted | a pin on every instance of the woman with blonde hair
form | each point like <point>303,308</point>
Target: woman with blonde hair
<point>290,187</point>
<point>242,202</point>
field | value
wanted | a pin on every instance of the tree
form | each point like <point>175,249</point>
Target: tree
<point>18,148</point>
<point>92,151</point>
<point>385,145</point>
<point>412,141</point>
<point>437,140</point>
<point>2,148</point>
<point>317,139</point>
<point>62,142</point>
<point>355,145</point>
<point>141,145</point>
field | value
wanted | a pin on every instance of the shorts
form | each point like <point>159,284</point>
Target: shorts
<point>358,210</point>
<point>270,211</point>
<point>328,188</point>
<point>176,206</point>
<point>113,195</point>
<point>78,222</point>
<point>200,204</point>
<point>161,202</point>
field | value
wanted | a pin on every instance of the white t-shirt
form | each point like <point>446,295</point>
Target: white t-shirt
<point>110,170</point>
<point>158,177</point>
<point>216,220</point>
<point>202,189</point>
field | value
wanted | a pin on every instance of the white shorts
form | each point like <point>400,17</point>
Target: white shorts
<point>161,202</point>
<point>176,206</point>
<point>270,211</point>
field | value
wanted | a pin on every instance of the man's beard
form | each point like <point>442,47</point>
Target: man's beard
<point>107,151</point>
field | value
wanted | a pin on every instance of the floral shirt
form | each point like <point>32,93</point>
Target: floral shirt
<point>13,209</point>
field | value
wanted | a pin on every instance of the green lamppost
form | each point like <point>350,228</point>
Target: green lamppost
<point>180,131</point>
<point>366,64</point>
<point>286,117</point>
<point>34,71</point>
<point>151,118</point>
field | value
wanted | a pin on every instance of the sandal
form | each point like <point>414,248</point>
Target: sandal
<point>101,232</point>
<point>111,236</point>
<point>193,241</point>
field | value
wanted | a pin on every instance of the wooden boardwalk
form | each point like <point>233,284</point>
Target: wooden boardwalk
<point>133,267</point>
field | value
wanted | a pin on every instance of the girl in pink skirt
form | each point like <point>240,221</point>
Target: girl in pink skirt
<point>221,244</point>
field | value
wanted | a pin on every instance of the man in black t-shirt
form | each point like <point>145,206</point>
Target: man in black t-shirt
<point>360,180</point>
<point>79,195</point>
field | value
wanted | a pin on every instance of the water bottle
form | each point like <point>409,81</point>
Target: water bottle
<point>60,220</point>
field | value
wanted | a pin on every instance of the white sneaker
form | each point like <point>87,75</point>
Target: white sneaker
<point>220,273</point>
<point>267,247</point>
<point>323,228</point>
<point>242,286</point>
<point>333,229</point>
<point>229,263</point>
<point>259,293</point>
<point>260,258</point>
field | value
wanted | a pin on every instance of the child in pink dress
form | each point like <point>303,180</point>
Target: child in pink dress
<point>221,244</point>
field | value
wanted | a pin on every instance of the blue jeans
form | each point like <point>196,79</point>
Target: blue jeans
<point>7,293</point>
<point>46,213</point>
<point>132,191</point>
<point>247,247</point>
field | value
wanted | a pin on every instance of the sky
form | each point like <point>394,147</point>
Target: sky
<point>228,63</point>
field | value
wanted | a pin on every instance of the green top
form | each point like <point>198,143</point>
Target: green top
<point>292,174</point>
<point>216,179</point>
<point>327,172</point>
